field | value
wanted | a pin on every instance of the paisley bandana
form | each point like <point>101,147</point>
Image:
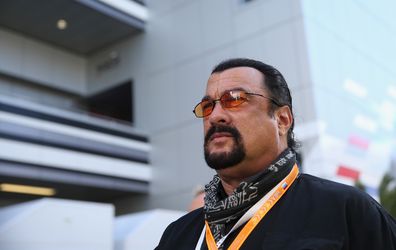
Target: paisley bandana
<point>222,211</point>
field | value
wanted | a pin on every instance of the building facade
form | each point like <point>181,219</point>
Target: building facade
<point>156,58</point>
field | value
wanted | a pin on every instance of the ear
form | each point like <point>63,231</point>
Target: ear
<point>284,119</point>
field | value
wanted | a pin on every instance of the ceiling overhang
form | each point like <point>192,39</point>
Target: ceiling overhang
<point>90,24</point>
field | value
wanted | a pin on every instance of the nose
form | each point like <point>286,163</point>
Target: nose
<point>219,115</point>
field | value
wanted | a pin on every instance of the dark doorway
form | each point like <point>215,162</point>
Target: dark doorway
<point>115,102</point>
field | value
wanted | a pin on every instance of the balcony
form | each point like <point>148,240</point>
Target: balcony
<point>79,155</point>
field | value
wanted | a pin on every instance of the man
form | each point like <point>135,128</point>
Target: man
<point>258,200</point>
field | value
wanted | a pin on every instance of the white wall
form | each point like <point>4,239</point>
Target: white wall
<point>57,224</point>
<point>39,62</point>
<point>142,230</point>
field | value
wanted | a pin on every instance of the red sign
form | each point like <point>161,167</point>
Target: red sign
<point>348,172</point>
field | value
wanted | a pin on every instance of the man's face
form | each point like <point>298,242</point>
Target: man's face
<point>242,134</point>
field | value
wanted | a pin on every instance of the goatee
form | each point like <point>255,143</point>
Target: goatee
<point>227,159</point>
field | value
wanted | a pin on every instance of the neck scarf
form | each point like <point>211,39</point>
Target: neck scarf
<point>222,211</point>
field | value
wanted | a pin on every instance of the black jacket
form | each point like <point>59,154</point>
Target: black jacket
<point>313,214</point>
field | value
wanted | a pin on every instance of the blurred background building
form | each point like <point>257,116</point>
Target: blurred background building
<point>66,124</point>
<point>96,95</point>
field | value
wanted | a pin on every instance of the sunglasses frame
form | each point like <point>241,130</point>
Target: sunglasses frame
<point>224,106</point>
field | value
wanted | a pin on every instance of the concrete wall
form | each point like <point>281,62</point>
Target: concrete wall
<point>38,62</point>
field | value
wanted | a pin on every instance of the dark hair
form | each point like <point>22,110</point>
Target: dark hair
<point>274,83</point>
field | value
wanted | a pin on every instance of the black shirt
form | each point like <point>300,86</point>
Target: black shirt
<point>313,214</point>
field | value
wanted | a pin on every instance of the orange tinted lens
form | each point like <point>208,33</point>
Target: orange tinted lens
<point>233,99</point>
<point>203,109</point>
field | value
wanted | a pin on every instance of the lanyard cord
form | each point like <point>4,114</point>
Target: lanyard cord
<point>254,214</point>
<point>249,214</point>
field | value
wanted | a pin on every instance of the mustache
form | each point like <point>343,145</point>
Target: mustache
<point>222,128</point>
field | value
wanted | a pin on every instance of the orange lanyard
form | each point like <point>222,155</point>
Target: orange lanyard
<point>279,191</point>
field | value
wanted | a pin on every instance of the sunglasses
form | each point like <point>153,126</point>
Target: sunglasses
<point>228,100</point>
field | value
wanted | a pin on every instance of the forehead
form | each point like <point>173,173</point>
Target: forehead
<point>246,78</point>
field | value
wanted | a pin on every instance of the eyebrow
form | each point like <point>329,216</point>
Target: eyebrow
<point>207,97</point>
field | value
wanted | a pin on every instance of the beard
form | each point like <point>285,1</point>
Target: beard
<point>225,159</point>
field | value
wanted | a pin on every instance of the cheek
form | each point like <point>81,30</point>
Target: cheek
<point>258,132</point>
<point>206,125</point>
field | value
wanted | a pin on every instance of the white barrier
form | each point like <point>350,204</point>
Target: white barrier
<point>56,224</point>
